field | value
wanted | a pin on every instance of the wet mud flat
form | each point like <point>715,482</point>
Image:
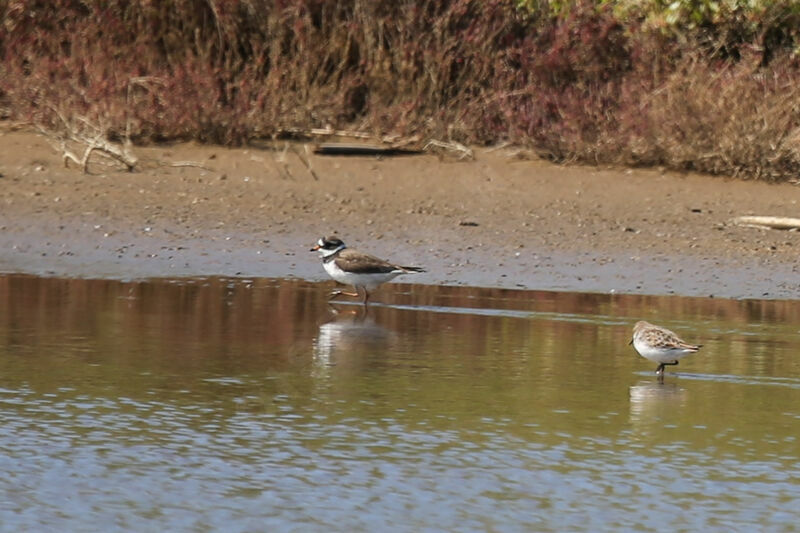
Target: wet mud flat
<point>496,221</point>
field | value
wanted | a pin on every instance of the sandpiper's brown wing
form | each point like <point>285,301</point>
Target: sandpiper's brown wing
<point>665,338</point>
<point>361,263</point>
<point>690,347</point>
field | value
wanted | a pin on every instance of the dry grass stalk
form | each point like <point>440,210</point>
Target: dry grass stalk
<point>306,159</point>
<point>280,160</point>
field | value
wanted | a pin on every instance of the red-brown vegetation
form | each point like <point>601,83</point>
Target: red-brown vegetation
<point>588,85</point>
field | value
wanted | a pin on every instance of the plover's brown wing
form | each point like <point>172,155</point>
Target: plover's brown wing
<point>361,263</point>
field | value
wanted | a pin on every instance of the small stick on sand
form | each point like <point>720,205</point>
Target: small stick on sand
<point>452,146</point>
<point>785,223</point>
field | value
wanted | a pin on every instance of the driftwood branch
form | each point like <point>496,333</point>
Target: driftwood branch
<point>195,164</point>
<point>785,223</point>
<point>396,145</point>
<point>94,138</point>
<point>394,141</point>
<point>330,132</point>
<point>60,145</point>
<point>465,152</point>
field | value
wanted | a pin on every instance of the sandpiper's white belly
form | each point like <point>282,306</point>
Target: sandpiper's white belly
<point>659,354</point>
<point>368,281</point>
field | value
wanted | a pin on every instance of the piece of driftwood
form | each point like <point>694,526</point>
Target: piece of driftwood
<point>92,141</point>
<point>80,131</point>
<point>785,223</point>
<point>361,149</point>
<point>451,146</point>
<point>196,164</point>
<point>327,132</point>
<point>393,140</point>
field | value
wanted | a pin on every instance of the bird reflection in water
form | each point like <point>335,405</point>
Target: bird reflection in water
<point>349,333</point>
<point>653,401</point>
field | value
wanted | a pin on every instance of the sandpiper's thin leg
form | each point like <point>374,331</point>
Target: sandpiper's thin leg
<point>660,369</point>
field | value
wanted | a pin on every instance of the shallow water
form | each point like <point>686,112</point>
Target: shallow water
<point>249,405</point>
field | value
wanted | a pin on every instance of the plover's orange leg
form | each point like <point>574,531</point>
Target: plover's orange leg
<point>338,292</point>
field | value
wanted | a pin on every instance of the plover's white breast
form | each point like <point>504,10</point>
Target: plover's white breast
<point>368,280</point>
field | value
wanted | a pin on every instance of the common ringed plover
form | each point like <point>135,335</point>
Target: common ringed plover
<point>660,345</point>
<point>358,269</point>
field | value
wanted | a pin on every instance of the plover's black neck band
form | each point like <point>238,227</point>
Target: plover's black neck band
<point>331,257</point>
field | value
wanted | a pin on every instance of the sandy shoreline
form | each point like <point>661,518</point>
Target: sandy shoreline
<point>494,222</point>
